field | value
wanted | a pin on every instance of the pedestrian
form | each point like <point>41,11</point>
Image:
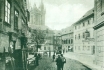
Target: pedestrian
<point>39,55</point>
<point>59,62</point>
<point>53,57</point>
<point>63,61</point>
<point>36,59</point>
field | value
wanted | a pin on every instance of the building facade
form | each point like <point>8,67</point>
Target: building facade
<point>57,43</point>
<point>99,32</point>
<point>82,43</point>
<point>13,31</point>
<point>67,39</point>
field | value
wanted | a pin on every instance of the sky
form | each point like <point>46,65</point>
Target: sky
<point>63,13</point>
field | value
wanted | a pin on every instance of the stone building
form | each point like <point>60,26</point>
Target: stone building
<point>82,43</point>
<point>57,43</point>
<point>13,32</point>
<point>67,39</point>
<point>99,32</point>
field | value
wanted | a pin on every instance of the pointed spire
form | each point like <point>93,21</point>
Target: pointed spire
<point>42,5</point>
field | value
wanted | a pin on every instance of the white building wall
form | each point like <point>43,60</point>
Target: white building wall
<point>79,45</point>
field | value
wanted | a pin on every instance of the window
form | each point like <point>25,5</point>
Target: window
<point>89,34</point>
<point>66,41</point>
<point>83,24</point>
<point>7,11</point>
<point>79,36</point>
<point>62,42</point>
<point>69,41</point>
<point>16,19</point>
<point>88,22</point>
<point>83,35</point>
<point>44,48</point>
<point>93,19</point>
<point>75,36</point>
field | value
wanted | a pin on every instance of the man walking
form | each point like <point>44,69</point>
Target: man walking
<point>59,62</point>
<point>63,61</point>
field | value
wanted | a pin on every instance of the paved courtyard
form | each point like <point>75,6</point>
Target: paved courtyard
<point>46,63</point>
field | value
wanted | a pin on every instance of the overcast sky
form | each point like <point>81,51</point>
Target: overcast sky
<point>63,13</point>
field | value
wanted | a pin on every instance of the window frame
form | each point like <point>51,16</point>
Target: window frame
<point>16,16</point>
<point>78,36</point>
<point>83,35</point>
<point>83,24</point>
<point>88,22</point>
<point>7,12</point>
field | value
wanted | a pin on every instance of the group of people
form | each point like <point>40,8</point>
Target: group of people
<point>60,61</point>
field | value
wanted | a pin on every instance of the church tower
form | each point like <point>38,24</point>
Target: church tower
<point>43,12</point>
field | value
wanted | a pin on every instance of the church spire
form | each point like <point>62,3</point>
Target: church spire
<point>41,6</point>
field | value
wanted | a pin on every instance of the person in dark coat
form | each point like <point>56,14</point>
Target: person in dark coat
<point>63,61</point>
<point>59,62</point>
<point>53,57</point>
<point>36,59</point>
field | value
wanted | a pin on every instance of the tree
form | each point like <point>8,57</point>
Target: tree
<point>38,37</point>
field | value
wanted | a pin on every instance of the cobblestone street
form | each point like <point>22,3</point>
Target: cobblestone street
<point>47,64</point>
